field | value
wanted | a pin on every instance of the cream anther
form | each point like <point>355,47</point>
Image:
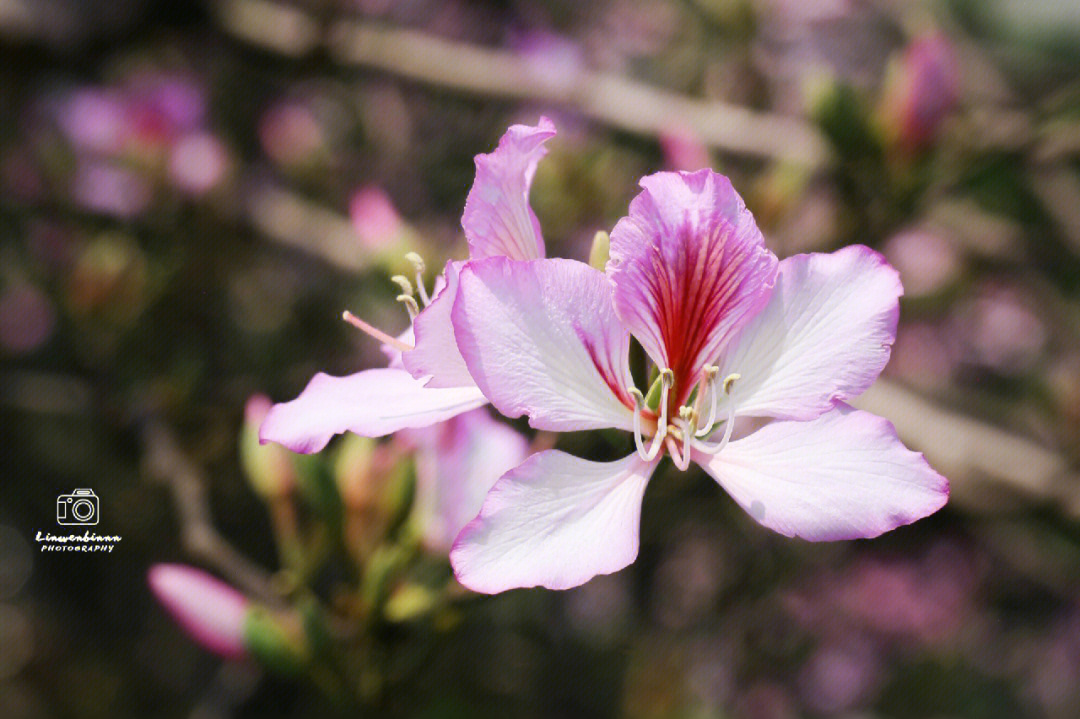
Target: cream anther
<point>410,304</point>
<point>418,265</point>
<point>403,282</point>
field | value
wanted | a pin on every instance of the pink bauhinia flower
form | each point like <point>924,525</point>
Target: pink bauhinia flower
<point>732,333</point>
<point>427,380</point>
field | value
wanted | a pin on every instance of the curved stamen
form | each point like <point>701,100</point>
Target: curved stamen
<point>410,304</point>
<point>403,282</point>
<point>689,418</point>
<point>709,388</point>
<point>418,265</point>
<point>729,422</point>
<point>668,379</point>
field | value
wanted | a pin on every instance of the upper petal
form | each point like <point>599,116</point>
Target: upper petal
<point>498,220</point>
<point>458,462</point>
<point>371,403</point>
<point>541,338</point>
<point>824,337</point>
<point>436,354</point>
<point>843,475</point>
<point>689,267</point>
<point>555,521</point>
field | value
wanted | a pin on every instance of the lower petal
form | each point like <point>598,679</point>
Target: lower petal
<point>844,475</point>
<point>372,403</point>
<point>436,352</point>
<point>555,521</point>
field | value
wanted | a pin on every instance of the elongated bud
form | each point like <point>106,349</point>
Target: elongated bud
<point>277,641</point>
<point>398,496</point>
<point>922,88</point>
<point>268,467</point>
<point>209,610</point>
<point>353,471</point>
<point>374,217</point>
<point>598,254</point>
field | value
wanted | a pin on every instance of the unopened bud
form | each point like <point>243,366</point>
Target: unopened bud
<point>922,88</point>
<point>598,254</point>
<point>209,610</point>
<point>268,467</point>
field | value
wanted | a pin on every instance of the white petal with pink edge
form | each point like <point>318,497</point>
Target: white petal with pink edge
<point>436,354</point>
<point>555,521</point>
<point>498,220</point>
<point>541,338</point>
<point>371,403</point>
<point>844,475</point>
<point>824,337</point>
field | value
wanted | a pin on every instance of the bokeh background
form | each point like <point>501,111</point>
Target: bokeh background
<point>190,193</point>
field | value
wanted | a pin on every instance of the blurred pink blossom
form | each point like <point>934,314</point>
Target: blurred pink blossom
<point>94,120</point>
<point>999,331</point>
<point>102,187</point>
<point>552,60</point>
<point>290,133</point>
<point>27,318</point>
<point>927,261</point>
<point>374,217</point>
<point>210,611</point>
<point>839,676</point>
<point>198,162</point>
<point>923,357</point>
<point>923,88</point>
<point>683,149</point>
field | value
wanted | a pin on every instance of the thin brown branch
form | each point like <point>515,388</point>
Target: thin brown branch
<point>613,100</point>
<point>167,462</point>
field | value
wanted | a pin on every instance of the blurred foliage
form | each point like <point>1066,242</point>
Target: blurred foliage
<point>185,213</point>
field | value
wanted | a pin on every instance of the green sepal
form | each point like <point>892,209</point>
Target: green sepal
<point>273,645</point>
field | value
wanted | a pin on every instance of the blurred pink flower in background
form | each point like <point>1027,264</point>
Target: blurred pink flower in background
<point>922,88</point>
<point>198,162</point>
<point>102,187</point>
<point>924,600</point>
<point>999,331</point>
<point>290,133</point>
<point>94,119</point>
<point>374,217</point>
<point>554,61</point>
<point>209,610</point>
<point>839,675</point>
<point>683,149</point>
<point>27,318</point>
<point>923,356</point>
<point>457,463</point>
<point>927,261</point>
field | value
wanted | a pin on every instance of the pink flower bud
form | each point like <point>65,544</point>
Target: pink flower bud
<point>374,217</point>
<point>683,148</point>
<point>922,90</point>
<point>209,610</point>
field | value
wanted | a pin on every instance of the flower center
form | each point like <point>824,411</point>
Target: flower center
<point>688,427</point>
